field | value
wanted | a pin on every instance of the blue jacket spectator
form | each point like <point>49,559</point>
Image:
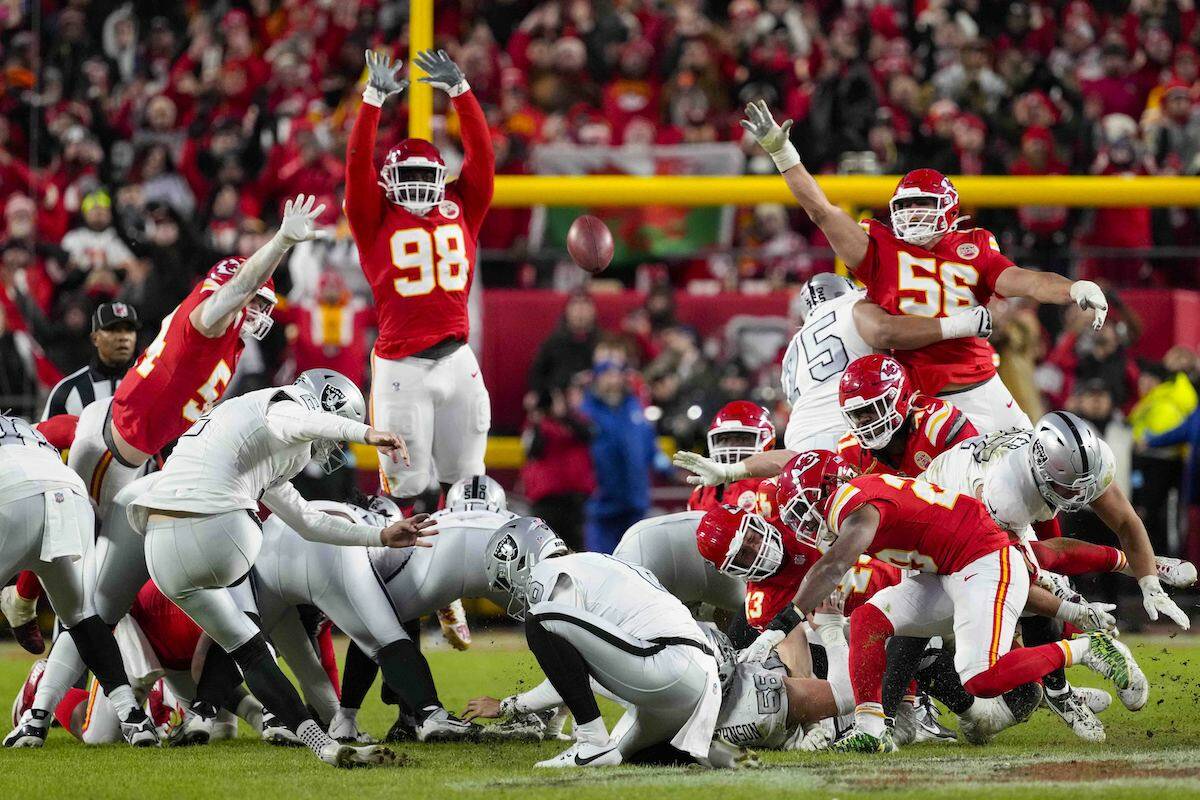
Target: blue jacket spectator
<point>624,452</point>
<point>1188,432</point>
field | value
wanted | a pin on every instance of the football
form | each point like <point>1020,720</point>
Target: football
<point>590,244</point>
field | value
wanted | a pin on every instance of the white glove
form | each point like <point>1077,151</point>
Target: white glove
<point>709,472</point>
<point>381,78</point>
<point>761,647</point>
<point>300,220</point>
<point>816,740</point>
<point>975,321</point>
<point>1155,600</point>
<point>770,135</point>
<point>1088,295</point>
<point>1087,616</point>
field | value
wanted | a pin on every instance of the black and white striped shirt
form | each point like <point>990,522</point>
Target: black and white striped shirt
<point>94,382</point>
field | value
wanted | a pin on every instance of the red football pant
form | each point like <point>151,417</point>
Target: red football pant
<point>870,630</point>
<point>28,586</point>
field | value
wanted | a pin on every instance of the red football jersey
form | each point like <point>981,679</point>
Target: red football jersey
<point>765,599</point>
<point>420,267</point>
<point>932,428</point>
<point>960,271</point>
<point>741,494</point>
<point>921,526</point>
<point>171,633</point>
<point>178,377</point>
<point>864,579</point>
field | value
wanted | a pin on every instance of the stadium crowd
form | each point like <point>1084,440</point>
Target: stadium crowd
<point>141,141</point>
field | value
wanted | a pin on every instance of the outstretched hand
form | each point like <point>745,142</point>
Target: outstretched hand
<point>389,444</point>
<point>412,532</point>
<point>440,70</point>
<point>381,74</point>
<point>300,220</point>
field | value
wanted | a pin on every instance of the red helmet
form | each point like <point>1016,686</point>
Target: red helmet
<point>875,395</point>
<point>923,207</point>
<point>806,486</point>
<point>740,543</point>
<point>257,320</point>
<point>414,175</point>
<point>740,429</point>
<point>766,504</point>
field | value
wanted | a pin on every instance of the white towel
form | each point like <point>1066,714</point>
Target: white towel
<point>697,733</point>
<point>67,525</point>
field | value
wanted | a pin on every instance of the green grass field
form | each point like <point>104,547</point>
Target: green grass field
<point>1156,751</point>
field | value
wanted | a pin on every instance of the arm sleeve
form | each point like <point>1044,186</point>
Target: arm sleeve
<point>291,422</point>
<point>477,178</point>
<point>250,276</point>
<point>315,525</point>
<point>364,197</point>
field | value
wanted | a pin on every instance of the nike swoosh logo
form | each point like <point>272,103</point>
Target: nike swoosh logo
<point>473,374</point>
<point>581,762</point>
<point>968,577</point>
<point>1006,405</point>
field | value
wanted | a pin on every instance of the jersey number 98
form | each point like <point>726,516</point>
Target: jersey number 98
<point>427,260</point>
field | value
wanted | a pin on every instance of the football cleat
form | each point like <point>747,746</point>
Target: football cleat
<point>722,754</point>
<point>556,720</point>
<point>1021,702</point>
<point>442,726</point>
<point>1175,572</point>
<point>817,739</point>
<point>519,728</point>
<point>24,699</point>
<point>139,731</point>
<point>927,727</point>
<point>22,618</point>
<point>404,729</point>
<point>276,733</point>
<point>346,731</point>
<point>193,730</point>
<point>1097,700</point>
<point>344,756</point>
<point>455,630</point>
<point>583,754</point>
<point>225,726</point>
<point>1112,659</point>
<point>30,730</point>
<point>986,717</point>
<point>857,740</point>
<point>1072,708</point>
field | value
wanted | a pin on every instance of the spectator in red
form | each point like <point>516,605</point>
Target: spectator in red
<point>633,93</point>
<point>1043,228</point>
<point>1116,91</point>
<point>331,331</point>
<point>557,474</point>
<point>1118,228</point>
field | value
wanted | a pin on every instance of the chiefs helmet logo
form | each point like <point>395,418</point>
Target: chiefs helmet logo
<point>506,550</point>
<point>889,369</point>
<point>967,250</point>
<point>332,398</point>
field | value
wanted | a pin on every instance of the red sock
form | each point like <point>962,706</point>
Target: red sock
<point>1015,668</point>
<point>1074,557</point>
<point>71,701</point>
<point>28,586</point>
<point>869,631</point>
<point>329,657</point>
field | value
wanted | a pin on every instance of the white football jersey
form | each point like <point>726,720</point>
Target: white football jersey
<point>29,465</point>
<point>666,546</point>
<point>627,596</point>
<point>420,580</point>
<point>754,710</point>
<point>815,360</point>
<point>995,469</point>
<point>230,457</point>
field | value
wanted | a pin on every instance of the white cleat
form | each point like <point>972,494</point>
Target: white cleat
<point>344,756</point>
<point>520,728</point>
<point>455,629</point>
<point>1097,700</point>
<point>1175,572</point>
<point>986,717</point>
<point>583,754</point>
<point>1112,659</point>
<point>346,731</point>
<point>555,721</point>
<point>30,730</point>
<point>1072,708</point>
<point>276,733</point>
<point>926,723</point>
<point>193,730</point>
<point>442,726</point>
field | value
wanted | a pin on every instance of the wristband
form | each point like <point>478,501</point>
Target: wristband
<point>959,325</point>
<point>1069,612</point>
<point>373,97</point>
<point>462,87</point>
<point>785,620</point>
<point>785,157</point>
<point>1150,584</point>
<point>737,472</point>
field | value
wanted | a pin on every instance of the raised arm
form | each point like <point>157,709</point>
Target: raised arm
<point>1049,287</point>
<point>364,197</point>
<point>706,472</point>
<point>885,331</point>
<point>476,179</point>
<point>854,537</point>
<point>213,316</point>
<point>845,235</point>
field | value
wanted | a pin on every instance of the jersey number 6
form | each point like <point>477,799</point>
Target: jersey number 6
<point>426,260</point>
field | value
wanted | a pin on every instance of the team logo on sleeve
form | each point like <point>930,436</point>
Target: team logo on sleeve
<point>332,398</point>
<point>922,458</point>
<point>967,250</point>
<point>506,550</point>
<point>448,209</point>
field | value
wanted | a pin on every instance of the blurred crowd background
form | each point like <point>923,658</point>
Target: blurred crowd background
<point>141,141</point>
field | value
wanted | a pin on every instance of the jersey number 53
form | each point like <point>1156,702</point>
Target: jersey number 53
<point>427,260</point>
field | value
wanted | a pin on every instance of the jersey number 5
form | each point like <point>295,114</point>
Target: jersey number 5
<point>426,260</point>
<point>932,289</point>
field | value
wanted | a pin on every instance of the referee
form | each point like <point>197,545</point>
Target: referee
<point>114,335</point>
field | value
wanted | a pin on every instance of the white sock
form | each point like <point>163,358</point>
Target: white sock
<point>251,710</point>
<point>347,714</point>
<point>311,734</point>
<point>869,717</point>
<point>592,732</point>
<point>1058,692</point>
<point>123,701</point>
<point>1078,649</point>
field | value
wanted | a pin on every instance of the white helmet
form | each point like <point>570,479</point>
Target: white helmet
<point>818,289</point>
<point>335,394</point>
<point>374,509</point>
<point>1071,465</point>
<point>723,651</point>
<point>477,493</point>
<point>512,552</point>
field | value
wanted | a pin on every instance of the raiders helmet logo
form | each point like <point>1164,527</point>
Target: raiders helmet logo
<point>448,209</point>
<point>967,250</point>
<point>506,550</point>
<point>332,398</point>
